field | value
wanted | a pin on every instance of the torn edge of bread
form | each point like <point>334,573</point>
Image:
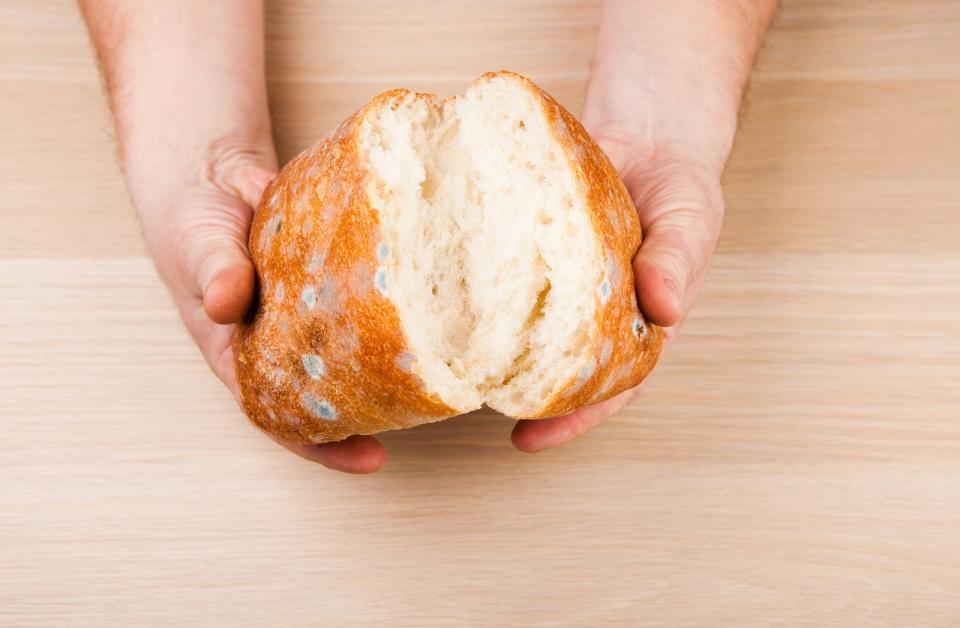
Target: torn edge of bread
<point>488,250</point>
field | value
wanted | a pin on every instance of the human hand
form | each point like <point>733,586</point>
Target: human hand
<point>663,101</point>
<point>198,242</point>
<point>680,206</point>
<point>187,88</point>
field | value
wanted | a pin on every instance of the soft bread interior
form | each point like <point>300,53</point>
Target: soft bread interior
<point>488,250</point>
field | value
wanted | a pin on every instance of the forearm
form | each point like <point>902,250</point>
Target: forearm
<point>186,85</point>
<point>669,75</point>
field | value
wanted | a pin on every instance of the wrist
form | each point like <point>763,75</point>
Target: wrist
<point>187,88</point>
<point>667,78</point>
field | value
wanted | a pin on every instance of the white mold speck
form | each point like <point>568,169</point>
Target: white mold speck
<point>269,230</point>
<point>606,351</point>
<point>309,297</point>
<point>380,279</point>
<point>313,365</point>
<point>604,290</point>
<point>320,408</point>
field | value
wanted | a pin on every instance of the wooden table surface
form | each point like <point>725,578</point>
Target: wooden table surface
<point>794,461</point>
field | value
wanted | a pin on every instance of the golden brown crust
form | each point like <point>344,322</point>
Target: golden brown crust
<point>324,355</point>
<point>624,345</point>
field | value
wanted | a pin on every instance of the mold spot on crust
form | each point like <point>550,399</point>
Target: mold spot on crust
<point>639,329</point>
<point>605,388</point>
<point>604,291</point>
<point>606,351</point>
<point>309,297</point>
<point>313,365</point>
<point>270,229</point>
<point>381,280</point>
<point>584,374</point>
<point>320,408</point>
<point>613,215</point>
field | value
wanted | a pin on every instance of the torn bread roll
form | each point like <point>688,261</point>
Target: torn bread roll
<point>428,258</point>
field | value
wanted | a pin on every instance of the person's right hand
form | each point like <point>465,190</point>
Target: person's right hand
<point>198,241</point>
<point>188,92</point>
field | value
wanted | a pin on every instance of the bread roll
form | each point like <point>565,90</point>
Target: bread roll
<point>428,258</point>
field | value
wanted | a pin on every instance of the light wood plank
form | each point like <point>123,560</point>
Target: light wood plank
<point>794,461</point>
<point>763,488</point>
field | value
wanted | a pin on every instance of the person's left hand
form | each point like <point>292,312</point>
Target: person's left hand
<point>680,205</point>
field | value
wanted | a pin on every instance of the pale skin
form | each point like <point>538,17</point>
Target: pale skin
<point>187,87</point>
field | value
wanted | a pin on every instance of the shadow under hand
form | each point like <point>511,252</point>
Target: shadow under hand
<point>479,441</point>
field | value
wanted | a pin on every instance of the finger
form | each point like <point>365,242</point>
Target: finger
<point>676,250</point>
<point>356,454</point>
<point>211,241</point>
<point>228,294</point>
<point>532,436</point>
<point>216,242</point>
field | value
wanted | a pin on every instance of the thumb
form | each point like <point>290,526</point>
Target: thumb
<point>228,276</point>
<point>215,255</point>
<point>229,291</point>
<point>680,214</point>
<point>214,240</point>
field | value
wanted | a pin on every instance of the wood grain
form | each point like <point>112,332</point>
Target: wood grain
<point>795,460</point>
